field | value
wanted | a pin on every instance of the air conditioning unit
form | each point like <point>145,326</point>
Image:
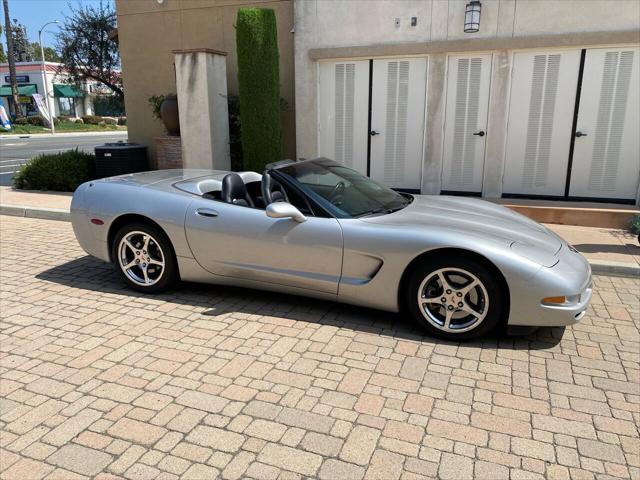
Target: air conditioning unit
<point>120,158</point>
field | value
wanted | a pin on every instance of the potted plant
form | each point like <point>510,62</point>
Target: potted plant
<point>165,108</point>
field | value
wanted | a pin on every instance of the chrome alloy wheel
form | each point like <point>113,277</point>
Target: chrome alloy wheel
<point>453,300</point>
<point>141,258</point>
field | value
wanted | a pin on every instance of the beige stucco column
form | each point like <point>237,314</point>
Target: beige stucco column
<point>494,159</point>
<point>433,141</point>
<point>201,84</point>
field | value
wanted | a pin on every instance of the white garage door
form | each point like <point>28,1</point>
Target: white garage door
<point>397,121</point>
<point>541,108</point>
<point>386,143</point>
<point>343,112</point>
<point>606,155</point>
<point>468,79</point>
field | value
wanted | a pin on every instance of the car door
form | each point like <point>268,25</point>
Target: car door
<point>243,242</point>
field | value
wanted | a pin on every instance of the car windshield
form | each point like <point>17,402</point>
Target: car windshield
<point>349,192</point>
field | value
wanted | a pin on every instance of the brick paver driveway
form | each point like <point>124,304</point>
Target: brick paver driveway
<point>207,381</point>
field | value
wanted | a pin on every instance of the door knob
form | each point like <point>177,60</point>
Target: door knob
<point>480,133</point>
<point>580,134</point>
<point>206,212</point>
<point>373,133</point>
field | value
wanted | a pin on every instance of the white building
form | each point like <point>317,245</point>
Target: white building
<point>67,100</point>
<point>542,101</point>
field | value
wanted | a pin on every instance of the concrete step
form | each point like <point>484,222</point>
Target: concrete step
<point>591,214</point>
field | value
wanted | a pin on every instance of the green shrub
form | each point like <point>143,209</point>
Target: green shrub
<point>62,171</point>
<point>122,121</point>
<point>259,86</point>
<point>63,118</point>
<point>634,226</point>
<point>91,119</point>
<point>235,136</point>
<point>110,120</point>
<point>20,121</point>
<point>108,105</point>
<point>36,120</point>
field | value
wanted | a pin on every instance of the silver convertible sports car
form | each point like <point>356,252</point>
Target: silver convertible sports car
<point>458,266</point>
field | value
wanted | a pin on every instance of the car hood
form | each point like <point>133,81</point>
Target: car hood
<point>477,217</point>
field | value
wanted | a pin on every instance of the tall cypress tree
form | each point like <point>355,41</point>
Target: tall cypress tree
<point>259,87</point>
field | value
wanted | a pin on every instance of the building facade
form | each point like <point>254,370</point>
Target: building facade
<point>66,100</point>
<point>150,30</point>
<point>542,101</point>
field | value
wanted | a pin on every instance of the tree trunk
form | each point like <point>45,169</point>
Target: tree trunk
<point>12,62</point>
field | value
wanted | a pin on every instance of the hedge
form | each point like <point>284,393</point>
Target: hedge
<point>259,87</point>
<point>61,172</point>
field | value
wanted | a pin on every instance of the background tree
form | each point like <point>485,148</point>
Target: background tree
<point>13,104</point>
<point>3,56</point>
<point>50,54</point>
<point>259,87</point>
<point>85,48</point>
<point>21,44</point>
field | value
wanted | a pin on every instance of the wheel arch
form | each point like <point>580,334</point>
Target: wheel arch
<point>459,252</point>
<point>123,220</point>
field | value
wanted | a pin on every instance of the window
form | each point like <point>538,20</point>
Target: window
<point>66,106</point>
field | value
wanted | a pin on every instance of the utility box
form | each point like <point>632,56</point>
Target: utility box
<point>120,158</point>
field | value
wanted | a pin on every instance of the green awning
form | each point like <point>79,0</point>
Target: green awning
<point>68,91</point>
<point>23,90</point>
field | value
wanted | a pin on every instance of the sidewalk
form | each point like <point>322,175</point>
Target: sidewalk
<point>610,251</point>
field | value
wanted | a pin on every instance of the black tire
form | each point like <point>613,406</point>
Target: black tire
<point>166,277</point>
<point>492,288</point>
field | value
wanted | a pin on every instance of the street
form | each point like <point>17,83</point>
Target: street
<point>16,150</point>
<point>97,380</point>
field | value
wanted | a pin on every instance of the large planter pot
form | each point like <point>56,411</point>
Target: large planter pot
<point>169,115</point>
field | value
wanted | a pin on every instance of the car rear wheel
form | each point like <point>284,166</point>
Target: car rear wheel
<point>144,258</point>
<point>455,299</point>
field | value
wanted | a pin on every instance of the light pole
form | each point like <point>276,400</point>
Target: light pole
<point>44,75</point>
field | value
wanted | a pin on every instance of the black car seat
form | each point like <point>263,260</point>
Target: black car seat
<point>235,191</point>
<point>272,191</point>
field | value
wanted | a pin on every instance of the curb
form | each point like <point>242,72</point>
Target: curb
<point>622,269</point>
<point>33,212</point>
<point>598,267</point>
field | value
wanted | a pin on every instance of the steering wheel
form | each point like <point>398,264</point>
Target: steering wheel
<point>338,191</point>
<point>272,191</point>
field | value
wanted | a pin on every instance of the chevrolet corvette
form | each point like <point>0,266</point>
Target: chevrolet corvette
<point>458,266</point>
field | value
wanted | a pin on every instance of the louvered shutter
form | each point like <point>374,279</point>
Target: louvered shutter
<point>343,112</point>
<point>606,162</point>
<point>468,81</point>
<point>543,91</point>
<point>398,107</point>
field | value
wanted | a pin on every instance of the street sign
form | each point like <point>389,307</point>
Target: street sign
<point>19,78</point>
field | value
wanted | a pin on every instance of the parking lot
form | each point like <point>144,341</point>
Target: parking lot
<point>206,382</point>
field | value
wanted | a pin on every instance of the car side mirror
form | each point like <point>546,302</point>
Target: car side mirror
<point>284,210</point>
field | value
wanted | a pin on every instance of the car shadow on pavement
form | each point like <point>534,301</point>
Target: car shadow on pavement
<point>88,273</point>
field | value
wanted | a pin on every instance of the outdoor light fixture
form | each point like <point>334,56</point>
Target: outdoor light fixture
<point>472,16</point>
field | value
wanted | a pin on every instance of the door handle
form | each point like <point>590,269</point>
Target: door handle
<point>480,133</point>
<point>206,212</point>
<point>373,133</point>
<point>580,134</point>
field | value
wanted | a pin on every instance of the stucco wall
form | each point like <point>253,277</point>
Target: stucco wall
<point>365,29</point>
<point>149,31</point>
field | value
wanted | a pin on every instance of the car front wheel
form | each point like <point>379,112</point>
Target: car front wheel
<point>143,256</point>
<point>455,299</point>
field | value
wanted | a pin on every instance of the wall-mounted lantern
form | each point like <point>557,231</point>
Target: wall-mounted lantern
<point>472,16</point>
